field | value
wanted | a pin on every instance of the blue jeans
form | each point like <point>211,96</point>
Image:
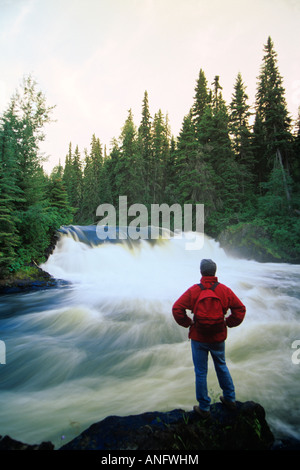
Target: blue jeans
<point>200,358</point>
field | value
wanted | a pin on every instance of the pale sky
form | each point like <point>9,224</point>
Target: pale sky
<point>94,59</point>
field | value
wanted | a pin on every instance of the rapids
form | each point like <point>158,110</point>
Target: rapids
<point>108,345</point>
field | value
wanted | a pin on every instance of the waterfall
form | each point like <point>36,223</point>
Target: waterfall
<point>108,344</point>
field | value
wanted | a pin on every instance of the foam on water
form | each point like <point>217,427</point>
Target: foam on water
<point>108,344</point>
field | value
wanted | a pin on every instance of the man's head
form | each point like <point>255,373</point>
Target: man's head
<point>208,267</point>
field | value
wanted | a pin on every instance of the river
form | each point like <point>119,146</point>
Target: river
<point>107,343</point>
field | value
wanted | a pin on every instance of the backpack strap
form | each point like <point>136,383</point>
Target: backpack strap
<point>211,288</point>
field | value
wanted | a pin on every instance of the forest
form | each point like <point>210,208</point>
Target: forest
<point>239,159</point>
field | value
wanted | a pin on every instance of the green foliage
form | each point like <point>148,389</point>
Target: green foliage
<point>246,175</point>
<point>32,206</point>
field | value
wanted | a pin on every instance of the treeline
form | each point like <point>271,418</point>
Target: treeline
<point>240,161</point>
<point>32,205</point>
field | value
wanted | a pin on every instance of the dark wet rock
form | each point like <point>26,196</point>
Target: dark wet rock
<point>245,428</point>
<point>242,429</point>
<point>37,280</point>
<point>7,443</point>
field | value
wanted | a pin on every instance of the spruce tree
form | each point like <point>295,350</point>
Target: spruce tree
<point>272,123</point>
<point>241,136</point>
<point>67,172</point>
<point>58,198</point>
<point>10,193</point>
<point>76,182</point>
<point>91,183</point>
<point>129,166</point>
<point>144,147</point>
<point>201,100</point>
<point>160,151</point>
<point>32,113</point>
<point>111,165</point>
<point>295,161</point>
<point>217,148</point>
<point>23,182</point>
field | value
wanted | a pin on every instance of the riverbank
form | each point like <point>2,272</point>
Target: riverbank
<point>31,278</point>
<point>252,241</point>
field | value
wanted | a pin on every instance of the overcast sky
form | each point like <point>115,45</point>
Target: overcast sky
<point>94,59</point>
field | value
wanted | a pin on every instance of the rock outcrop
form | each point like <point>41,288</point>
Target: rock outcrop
<point>245,428</point>
<point>37,280</point>
<point>7,443</point>
<point>242,429</point>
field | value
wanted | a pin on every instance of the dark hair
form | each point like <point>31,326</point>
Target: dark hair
<point>208,267</point>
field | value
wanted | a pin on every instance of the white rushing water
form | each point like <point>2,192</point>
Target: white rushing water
<point>108,344</point>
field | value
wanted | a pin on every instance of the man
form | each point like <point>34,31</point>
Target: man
<point>209,339</point>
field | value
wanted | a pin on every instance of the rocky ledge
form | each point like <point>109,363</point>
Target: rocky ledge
<point>245,428</point>
<point>34,280</point>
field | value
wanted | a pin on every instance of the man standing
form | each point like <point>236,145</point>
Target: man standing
<point>208,331</point>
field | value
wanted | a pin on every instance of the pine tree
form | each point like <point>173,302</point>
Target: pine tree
<point>170,191</point>
<point>67,173</point>
<point>196,179</point>
<point>185,160</point>
<point>91,183</point>
<point>32,115</point>
<point>105,193</point>
<point>272,125</point>
<point>129,166</point>
<point>295,161</point>
<point>77,180</point>
<point>144,146</point>
<point>25,219</point>
<point>10,193</point>
<point>216,148</point>
<point>58,198</point>
<point>241,137</point>
<point>111,168</point>
<point>201,100</point>
<point>160,151</point>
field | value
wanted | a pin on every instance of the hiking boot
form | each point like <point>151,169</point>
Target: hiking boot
<point>202,413</point>
<point>231,405</point>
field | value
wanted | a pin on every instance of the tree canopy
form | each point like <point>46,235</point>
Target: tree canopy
<point>240,160</point>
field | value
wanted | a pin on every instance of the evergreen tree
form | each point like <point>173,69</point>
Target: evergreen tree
<point>67,172</point>
<point>144,146</point>
<point>160,151</point>
<point>23,182</point>
<point>32,114</point>
<point>105,194</point>
<point>185,160</point>
<point>91,185</point>
<point>241,137</point>
<point>272,124</point>
<point>58,198</point>
<point>129,166</point>
<point>111,165</point>
<point>170,192</point>
<point>295,160</point>
<point>75,183</point>
<point>201,100</point>
<point>223,169</point>
<point>10,193</point>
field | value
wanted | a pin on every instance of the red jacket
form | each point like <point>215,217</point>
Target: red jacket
<point>228,299</point>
